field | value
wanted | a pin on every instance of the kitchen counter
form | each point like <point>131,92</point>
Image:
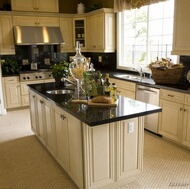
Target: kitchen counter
<point>181,87</point>
<point>99,147</point>
<point>127,108</point>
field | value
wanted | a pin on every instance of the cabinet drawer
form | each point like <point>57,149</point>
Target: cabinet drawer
<point>172,96</point>
<point>14,79</point>
<point>124,84</point>
<point>187,99</point>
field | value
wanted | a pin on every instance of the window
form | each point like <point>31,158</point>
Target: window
<point>145,35</point>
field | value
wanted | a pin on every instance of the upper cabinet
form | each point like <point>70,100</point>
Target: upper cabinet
<point>66,26</point>
<point>35,21</point>
<point>79,27</point>
<point>6,35</point>
<point>35,5</point>
<point>101,31</point>
<point>181,39</point>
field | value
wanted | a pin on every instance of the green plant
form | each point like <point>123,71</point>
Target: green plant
<point>95,6</point>
<point>10,67</point>
<point>60,69</point>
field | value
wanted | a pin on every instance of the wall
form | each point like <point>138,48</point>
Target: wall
<point>70,6</point>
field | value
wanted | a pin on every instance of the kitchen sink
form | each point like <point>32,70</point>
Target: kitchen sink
<point>60,91</point>
<point>135,78</point>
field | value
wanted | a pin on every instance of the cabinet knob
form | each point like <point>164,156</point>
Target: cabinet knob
<point>33,96</point>
<point>181,109</point>
<point>185,110</point>
<point>171,95</point>
<point>62,116</point>
<point>41,102</point>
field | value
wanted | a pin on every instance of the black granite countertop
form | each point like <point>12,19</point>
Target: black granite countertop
<point>127,108</point>
<point>183,87</point>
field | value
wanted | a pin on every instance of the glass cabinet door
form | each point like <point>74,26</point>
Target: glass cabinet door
<point>80,32</point>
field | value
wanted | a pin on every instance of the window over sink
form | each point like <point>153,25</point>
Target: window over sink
<point>145,35</point>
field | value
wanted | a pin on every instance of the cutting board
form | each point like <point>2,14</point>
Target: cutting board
<point>90,103</point>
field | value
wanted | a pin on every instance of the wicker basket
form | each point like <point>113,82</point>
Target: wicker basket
<point>167,76</point>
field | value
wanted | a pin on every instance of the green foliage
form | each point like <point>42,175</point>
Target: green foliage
<point>60,69</point>
<point>10,67</point>
<point>95,6</point>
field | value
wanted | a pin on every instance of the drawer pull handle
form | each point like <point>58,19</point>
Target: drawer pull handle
<point>171,95</point>
<point>41,102</point>
<point>62,117</point>
<point>33,96</point>
<point>185,110</point>
<point>181,109</point>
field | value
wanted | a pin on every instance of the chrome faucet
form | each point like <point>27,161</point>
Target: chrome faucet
<point>140,71</point>
<point>69,81</point>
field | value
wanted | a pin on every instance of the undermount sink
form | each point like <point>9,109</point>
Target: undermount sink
<point>128,76</point>
<point>60,91</point>
<point>135,78</point>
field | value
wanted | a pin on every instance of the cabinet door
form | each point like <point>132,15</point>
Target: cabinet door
<point>66,26</point>
<point>40,119</point>
<point>99,155</point>
<point>129,143</point>
<point>35,5</point>
<point>186,127</point>
<point>125,88</point>
<point>75,166</point>
<point>33,112</point>
<point>21,5</point>
<point>60,122</point>
<point>95,31</point>
<point>35,21</point>
<point>79,34</point>
<point>13,97</point>
<point>6,35</point>
<point>170,120</point>
<point>24,20</point>
<point>47,6</point>
<point>101,32</point>
<point>181,39</point>
<point>50,129</point>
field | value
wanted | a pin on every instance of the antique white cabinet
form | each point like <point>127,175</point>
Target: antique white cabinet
<point>6,35</point>
<point>171,118</point>
<point>125,88</point>
<point>79,31</point>
<point>35,21</point>
<point>181,37</point>
<point>101,31</point>
<point>35,5</point>
<point>94,157</point>
<point>12,92</point>
<point>186,124</point>
<point>66,26</point>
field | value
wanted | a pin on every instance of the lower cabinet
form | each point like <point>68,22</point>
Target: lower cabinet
<point>174,121</point>
<point>112,153</point>
<point>171,119</point>
<point>105,156</point>
<point>125,88</point>
<point>186,124</point>
<point>11,93</point>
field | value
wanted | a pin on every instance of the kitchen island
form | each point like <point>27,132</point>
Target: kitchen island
<point>99,147</point>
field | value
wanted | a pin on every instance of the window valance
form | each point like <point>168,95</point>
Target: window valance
<point>120,5</point>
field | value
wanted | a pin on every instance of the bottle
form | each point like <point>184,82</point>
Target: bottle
<point>106,86</point>
<point>113,92</point>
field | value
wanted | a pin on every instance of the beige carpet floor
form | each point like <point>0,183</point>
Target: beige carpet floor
<point>26,164</point>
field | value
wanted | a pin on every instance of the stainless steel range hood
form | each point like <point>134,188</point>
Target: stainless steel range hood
<point>31,35</point>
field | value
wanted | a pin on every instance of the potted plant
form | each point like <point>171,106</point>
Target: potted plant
<point>60,70</point>
<point>10,67</point>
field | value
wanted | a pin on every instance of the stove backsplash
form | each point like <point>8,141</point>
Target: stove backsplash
<point>45,55</point>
